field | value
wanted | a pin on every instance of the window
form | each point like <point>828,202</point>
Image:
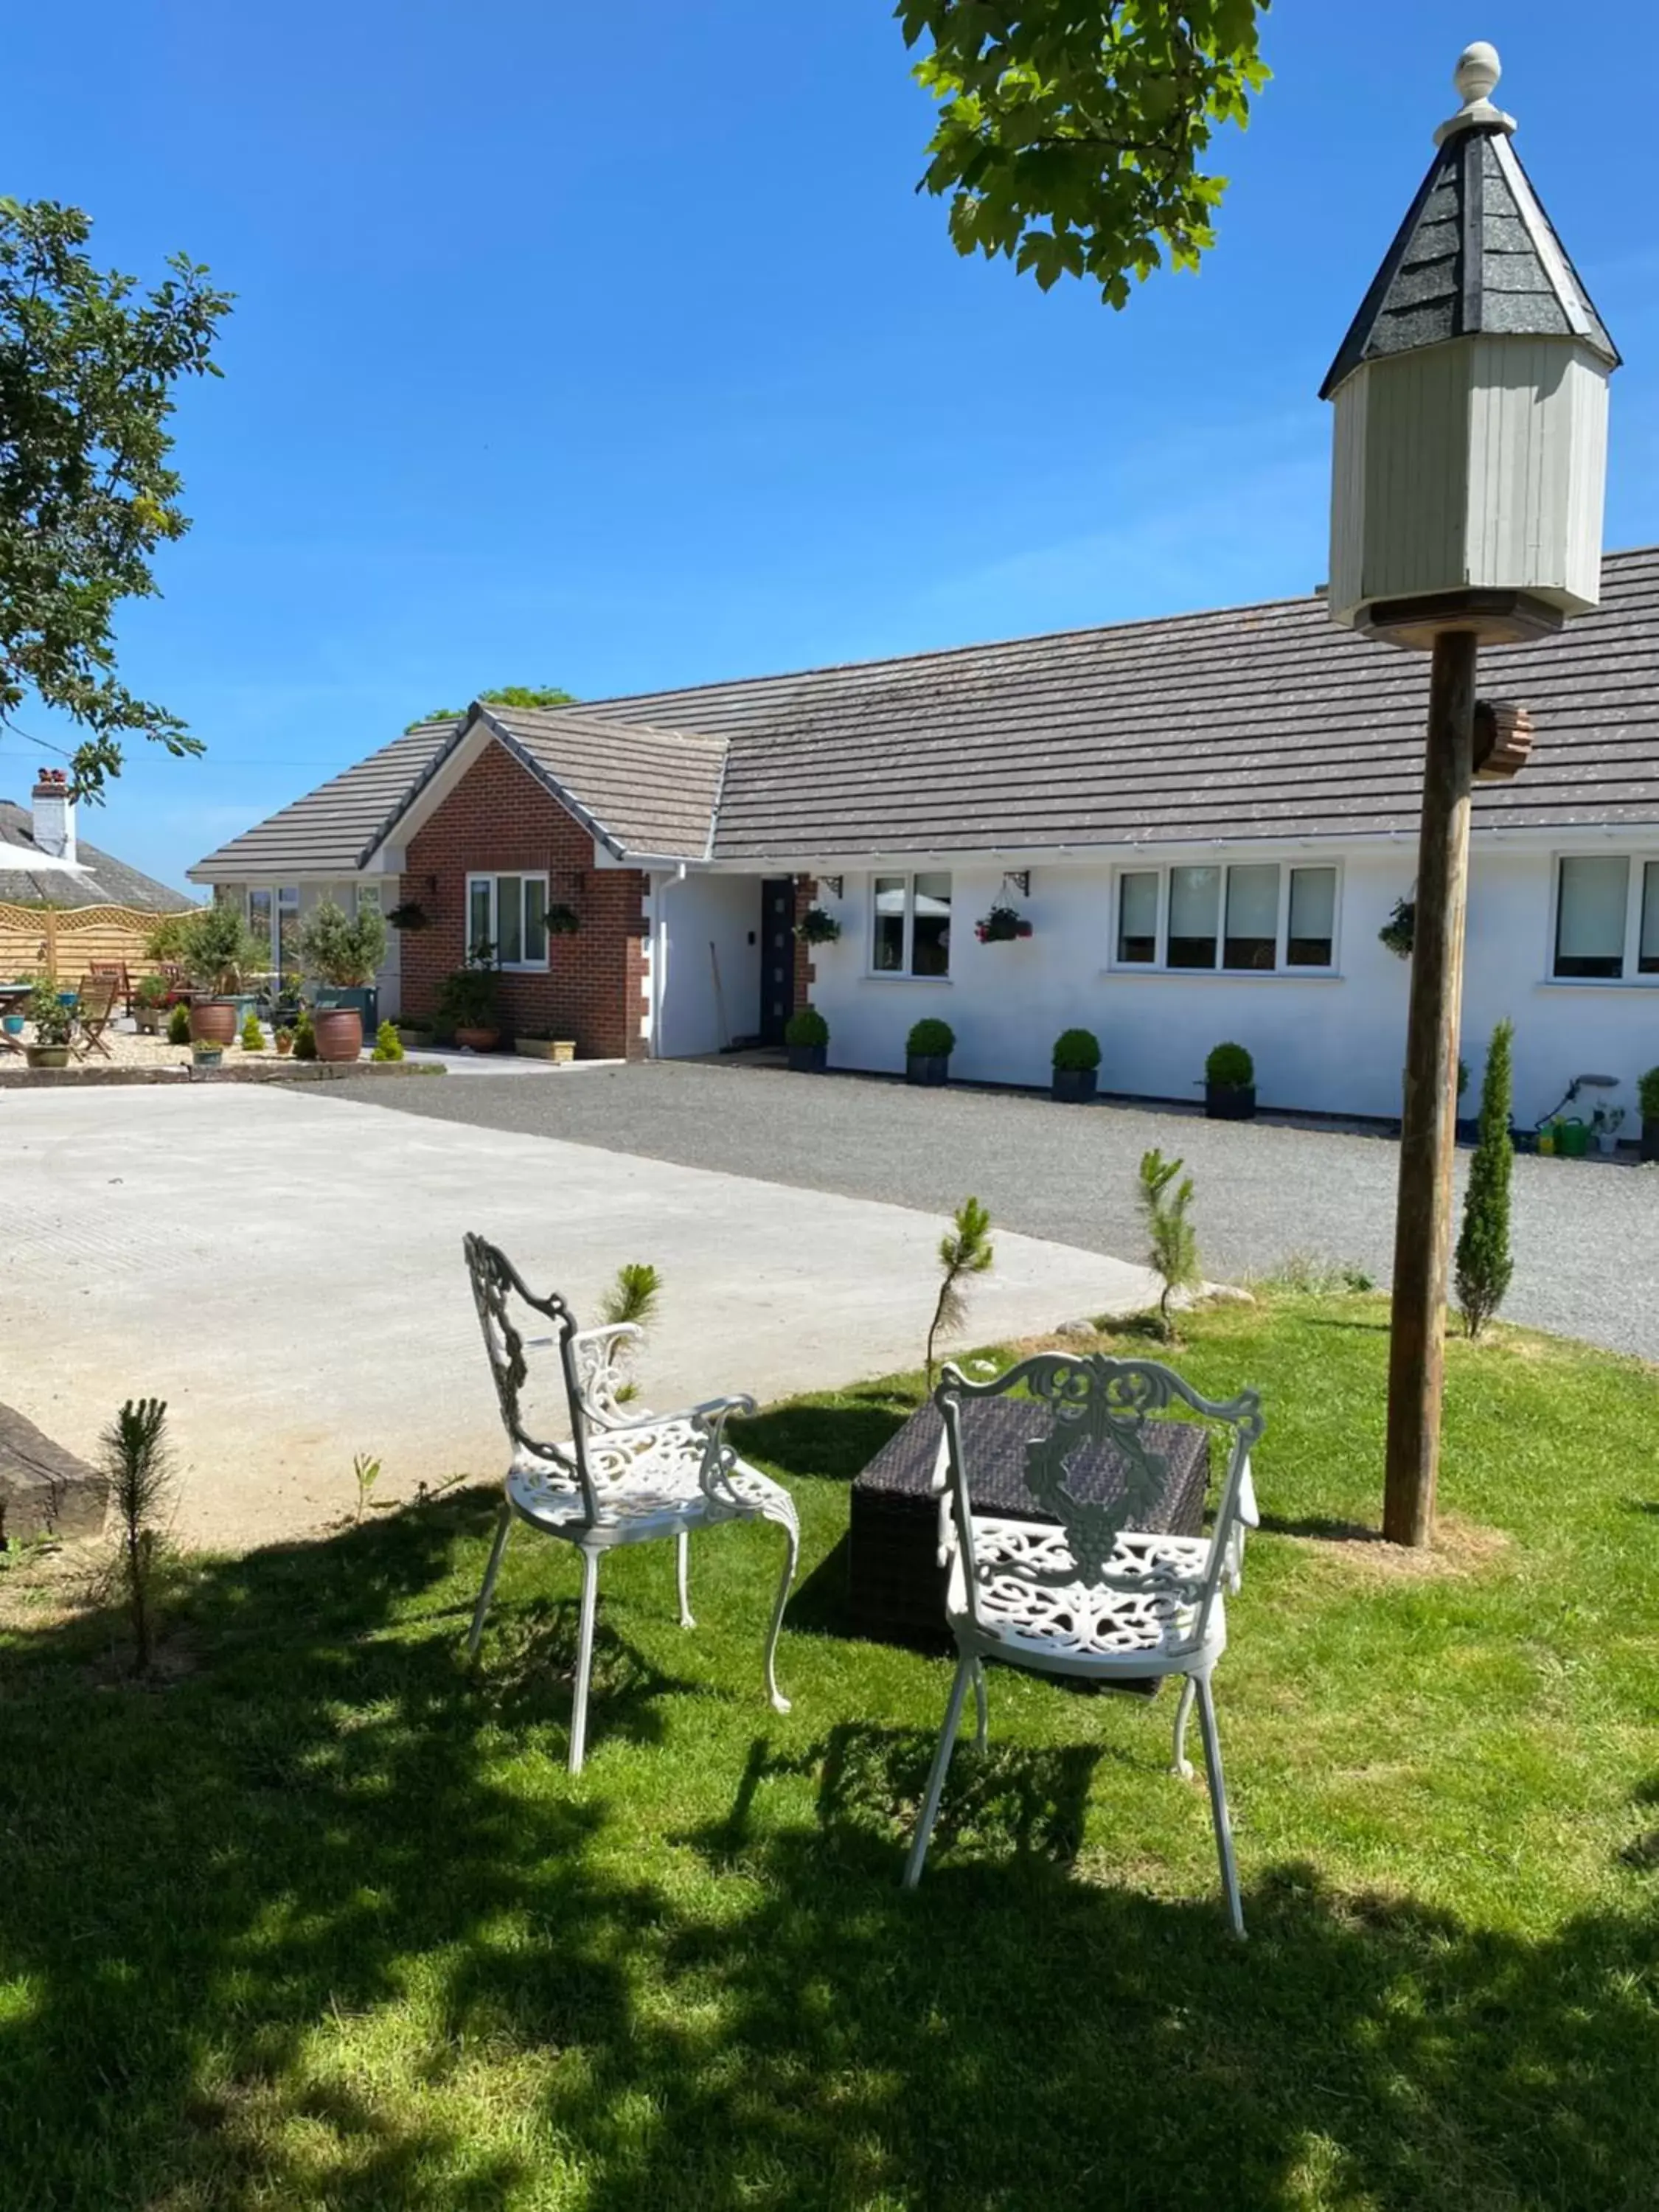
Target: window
<point>1607,919</point>
<point>507,921</point>
<point>367,895</point>
<point>910,926</point>
<point>1253,917</point>
<point>273,916</point>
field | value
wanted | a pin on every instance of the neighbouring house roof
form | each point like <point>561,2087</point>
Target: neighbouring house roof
<point>332,831</point>
<point>1247,723</point>
<point>28,875</point>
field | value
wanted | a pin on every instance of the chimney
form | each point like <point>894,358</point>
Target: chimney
<point>54,814</point>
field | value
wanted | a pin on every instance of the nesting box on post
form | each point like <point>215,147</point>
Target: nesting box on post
<point>1469,467</point>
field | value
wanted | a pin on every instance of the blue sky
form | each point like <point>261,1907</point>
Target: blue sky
<point>611,347</point>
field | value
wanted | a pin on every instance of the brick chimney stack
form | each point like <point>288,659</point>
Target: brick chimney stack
<point>54,814</point>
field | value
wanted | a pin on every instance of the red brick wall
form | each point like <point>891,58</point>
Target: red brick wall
<point>499,820</point>
<point>806,892</point>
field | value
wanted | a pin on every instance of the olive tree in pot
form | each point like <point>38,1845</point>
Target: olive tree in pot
<point>1230,1085</point>
<point>54,1026</point>
<point>1076,1061</point>
<point>468,1004</point>
<point>807,1037</point>
<point>927,1052</point>
<point>1647,1100</point>
<point>219,953</point>
<point>343,952</point>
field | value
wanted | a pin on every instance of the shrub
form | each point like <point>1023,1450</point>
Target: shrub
<point>1171,1240</point>
<point>54,1022</point>
<point>807,1027</point>
<point>140,1475</point>
<point>1485,1262</point>
<point>341,950</point>
<point>1076,1051</point>
<point>1647,1095</point>
<point>179,1025</point>
<point>165,941</point>
<point>1230,1068</point>
<point>253,1037</point>
<point>930,1039</point>
<point>305,1038</point>
<point>965,1249</point>
<point>388,1045</point>
<point>468,998</point>
<point>151,991</point>
<point>218,949</point>
<point>365,1473</point>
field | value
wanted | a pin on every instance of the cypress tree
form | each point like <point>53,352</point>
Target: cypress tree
<point>1485,1262</point>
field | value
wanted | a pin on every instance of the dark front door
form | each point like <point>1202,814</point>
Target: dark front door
<point>777,951</point>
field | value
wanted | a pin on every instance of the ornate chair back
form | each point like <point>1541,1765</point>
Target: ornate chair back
<point>1086,1408</point>
<point>497,1286</point>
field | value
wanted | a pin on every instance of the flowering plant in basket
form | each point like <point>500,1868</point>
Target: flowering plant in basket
<point>1001,925</point>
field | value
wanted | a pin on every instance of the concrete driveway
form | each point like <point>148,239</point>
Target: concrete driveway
<point>286,1272</point>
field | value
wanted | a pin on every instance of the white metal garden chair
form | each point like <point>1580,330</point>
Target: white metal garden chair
<point>1083,1592</point>
<point>623,1476</point>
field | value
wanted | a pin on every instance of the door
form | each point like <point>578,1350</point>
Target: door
<point>777,951</point>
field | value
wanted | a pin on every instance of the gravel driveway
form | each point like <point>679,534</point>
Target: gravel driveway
<point>1587,1250</point>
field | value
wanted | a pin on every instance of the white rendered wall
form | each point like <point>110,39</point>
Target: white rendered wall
<point>1321,1044</point>
<point>700,911</point>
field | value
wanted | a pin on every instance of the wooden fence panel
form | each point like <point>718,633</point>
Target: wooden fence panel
<point>63,942</point>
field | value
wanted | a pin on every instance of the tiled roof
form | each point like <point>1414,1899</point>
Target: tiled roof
<point>1476,253</point>
<point>1252,722</point>
<point>333,829</point>
<point>106,882</point>
<point>650,790</point>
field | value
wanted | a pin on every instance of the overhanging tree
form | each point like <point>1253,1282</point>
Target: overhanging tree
<point>1072,134</point>
<point>89,369</point>
<point>504,695</point>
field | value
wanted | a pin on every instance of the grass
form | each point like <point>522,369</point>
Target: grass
<point>325,1923</point>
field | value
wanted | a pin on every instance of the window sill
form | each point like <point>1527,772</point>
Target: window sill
<point>1597,983</point>
<point>893,976</point>
<point>522,967</point>
<point>1141,974</point>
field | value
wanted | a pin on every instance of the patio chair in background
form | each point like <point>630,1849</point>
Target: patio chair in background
<point>118,969</point>
<point>95,1009</point>
<point>1072,1587</point>
<point>623,1477</point>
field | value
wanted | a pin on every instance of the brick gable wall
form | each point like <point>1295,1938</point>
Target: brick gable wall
<point>497,821</point>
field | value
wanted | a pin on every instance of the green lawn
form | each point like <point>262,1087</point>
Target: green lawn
<point>325,1921</point>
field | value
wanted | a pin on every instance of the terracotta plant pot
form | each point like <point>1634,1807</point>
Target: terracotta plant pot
<point>477,1039</point>
<point>339,1031</point>
<point>284,1045</point>
<point>213,1021</point>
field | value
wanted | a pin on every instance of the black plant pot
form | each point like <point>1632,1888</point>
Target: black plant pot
<point>808,1059</point>
<point>1651,1140</point>
<point>1075,1087</point>
<point>932,1069</point>
<point>1228,1101</point>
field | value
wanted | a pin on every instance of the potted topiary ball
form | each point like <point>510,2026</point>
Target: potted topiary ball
<point>1230,1085</point>
<point>927,1052</point>
<point>807,1037</point>
<point>1076,1061</point>
<point>1647,1100</point>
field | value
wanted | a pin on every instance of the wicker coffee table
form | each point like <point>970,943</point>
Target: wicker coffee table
<point>897,1584</point>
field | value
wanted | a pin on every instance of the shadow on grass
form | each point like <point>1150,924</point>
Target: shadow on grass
<point>219,1898</point>
<point>833,1442</point>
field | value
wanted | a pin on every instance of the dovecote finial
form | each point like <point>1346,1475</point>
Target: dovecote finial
<point>1477,72</point>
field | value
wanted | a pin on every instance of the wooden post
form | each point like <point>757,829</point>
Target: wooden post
<point>1422,1240</point>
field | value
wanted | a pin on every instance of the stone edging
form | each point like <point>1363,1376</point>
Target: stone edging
<point>292,1070</point>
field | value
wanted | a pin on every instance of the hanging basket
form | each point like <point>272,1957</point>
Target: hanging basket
<point>817,928</point>
<point>1399,932</point>
<point>562,921</point>
<point>411,914</point>
<point>1002,925</point>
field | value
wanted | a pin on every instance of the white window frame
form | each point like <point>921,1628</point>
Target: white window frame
<point>904,973</point>
<point>492,877</point>
<point>1632,979</point>
<point>272,934</point>
<point>1280,972</point>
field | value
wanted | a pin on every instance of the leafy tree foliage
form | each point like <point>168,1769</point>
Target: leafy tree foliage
<point>1485,1262</point>
<point>1071,133</point>
<point>504,695</point>
<point>88,370</point>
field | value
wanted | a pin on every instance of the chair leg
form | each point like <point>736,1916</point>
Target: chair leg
<point>947,1742</point>
<point>779,1703</point>
<point>982,1708</point>
<point>503,1530</point>
<point>1180,1764</point>
<point>584,1661</point>
<point>683,1577</point>
<point>1224,1833</point>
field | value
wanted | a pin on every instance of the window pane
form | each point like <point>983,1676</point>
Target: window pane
<point>535,918</point>
<point>258,916</point>
<point>509,920</point>
<point>929,935</point>
<point>1194,908</point>
<point>887,951</point>
<point>1311,939</point>
<point>1137,917</point>
<point>1252,940</point>
<point>1647,951</point>
<point>368,895</point>
<point>479,943</point>
<point>1589,922</point>
<point>288,926</point>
